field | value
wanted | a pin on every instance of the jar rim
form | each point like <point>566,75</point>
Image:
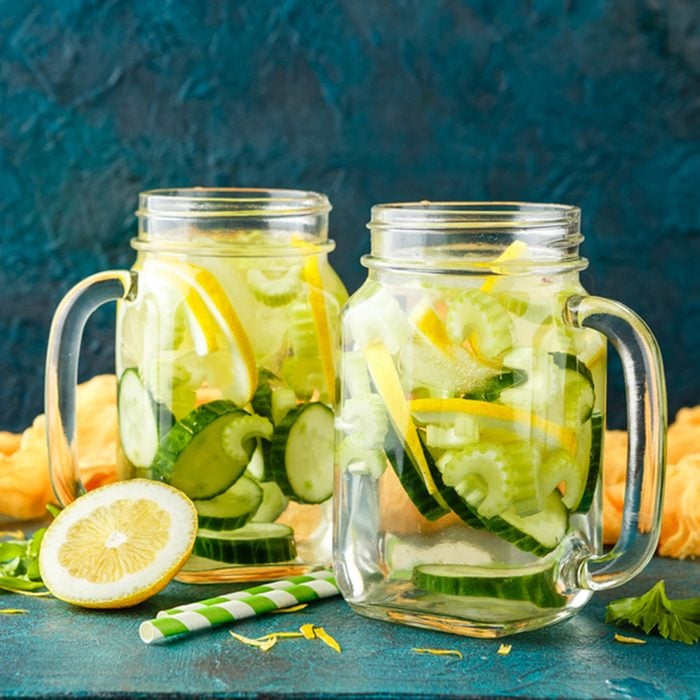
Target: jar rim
<point>229,202</point>
<point>468,215</point>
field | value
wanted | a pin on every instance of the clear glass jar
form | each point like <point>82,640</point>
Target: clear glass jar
<point>226,344</point>
<point>471,417</point>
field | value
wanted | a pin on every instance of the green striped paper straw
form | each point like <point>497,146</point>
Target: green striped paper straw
<point>238,606</point>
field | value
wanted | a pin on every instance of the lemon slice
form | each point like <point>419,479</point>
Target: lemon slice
<point>212,313</point>
<point>386,379</point>
<point>118,545</point>
<point>431,326</point>
<point>318,301</point>
<point>439,410</point>
<point>517,250</point>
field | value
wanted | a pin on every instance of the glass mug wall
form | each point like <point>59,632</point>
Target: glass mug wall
<point>225,358</point>
<point>471,421</point>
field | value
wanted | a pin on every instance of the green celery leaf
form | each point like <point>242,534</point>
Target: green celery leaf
<point>19,583</point>
<point>19,564</point>
<point>677,620</point>
<point>10,551</point>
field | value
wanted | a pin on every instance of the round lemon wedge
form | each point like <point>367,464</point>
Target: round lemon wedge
<point>118,545</point>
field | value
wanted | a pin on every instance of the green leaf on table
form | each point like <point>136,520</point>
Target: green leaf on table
<point>678,620</point>
<point>19,565</point>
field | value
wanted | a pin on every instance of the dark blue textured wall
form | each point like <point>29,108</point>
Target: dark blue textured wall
<point>582,101</point>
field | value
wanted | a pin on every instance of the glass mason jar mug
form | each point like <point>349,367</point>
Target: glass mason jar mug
<point>225,358</point>
<point>471,419</point>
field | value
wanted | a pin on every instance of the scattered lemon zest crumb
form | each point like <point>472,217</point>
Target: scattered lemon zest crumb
<point>326,638</point>
<point>307,630</point>
<point>628,640</point>
<point>281,635</point>
<point>12,611</point>
<point>262,644</point>
<point>504,649</point>
<point>293,609</point>
<point>438,652</point>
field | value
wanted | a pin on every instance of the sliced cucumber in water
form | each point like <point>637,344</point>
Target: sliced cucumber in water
<point>404,463</point>
<point>255,543</point>
<point>231,509</point>
<point>191,456</point>
<point>492,477</point>
<point>138,420</point>
<point>493,386</point>
<point>535,585</point>
<point>273,503</point>
<point>272,398</point>
<point>595,456</point>
<point>539,533</point>
<point>301,453</point>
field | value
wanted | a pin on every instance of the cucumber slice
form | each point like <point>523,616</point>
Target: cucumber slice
<point>492,388</point>
<point>579,388</point>
<point>594,461</point>
<point>539,533</point>
<point>273,398</point>
<point>191,455</point>
<point>273,503</point>
<point>138,420</point>
<point>255,543</point>
<point>404,464</point>
<point>402,441</point>
<point>534,585</point>
<point>301,453</point>
<point>232,508</point>
<point>565,360</point>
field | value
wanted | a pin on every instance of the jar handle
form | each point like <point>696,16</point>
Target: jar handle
<point>62,372</point>
<point>645,392</point>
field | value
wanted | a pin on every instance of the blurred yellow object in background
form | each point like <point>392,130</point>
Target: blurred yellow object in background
<point>680,528</point>
<point>25,487</point>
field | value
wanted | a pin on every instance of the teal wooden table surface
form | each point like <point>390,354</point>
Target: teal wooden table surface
<point>58,650</point>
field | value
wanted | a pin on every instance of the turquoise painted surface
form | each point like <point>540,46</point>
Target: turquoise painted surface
<point>56,650</point>
<point>593,103</point>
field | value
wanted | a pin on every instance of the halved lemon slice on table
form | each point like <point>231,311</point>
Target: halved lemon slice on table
<point>118,545</point>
